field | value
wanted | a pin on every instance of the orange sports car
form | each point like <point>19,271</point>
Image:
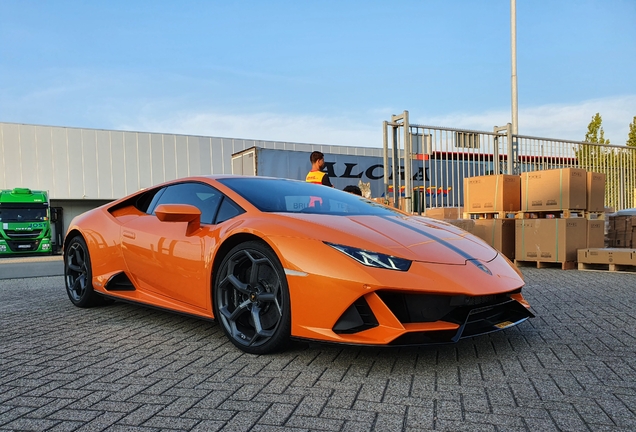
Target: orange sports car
<point>274,259</point>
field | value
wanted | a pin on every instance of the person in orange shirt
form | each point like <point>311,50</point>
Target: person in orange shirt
<point>316,175</point>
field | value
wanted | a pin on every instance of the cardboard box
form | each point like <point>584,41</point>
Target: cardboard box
<point>443,213</point>
<point>498,233</point>
<point>595,192</point>
<point>622,222</point>
<point>595,233</point>
<point>465,224</point>
<point>560,189</point>
<point>549,240</point>
<point>620,239</point>
<point>607,256</point>
<point>492,193</point>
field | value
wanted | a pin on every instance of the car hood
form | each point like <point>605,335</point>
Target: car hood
<point>414,238</point>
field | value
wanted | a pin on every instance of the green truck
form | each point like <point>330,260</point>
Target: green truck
<point>25,226</point>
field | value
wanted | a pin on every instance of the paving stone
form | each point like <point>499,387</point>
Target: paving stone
<point>269,428</point>
<point>461,426</point>
<point>74,414</point>
<point>208,426</point>
<point>128,368</point>
<point>314,423</point>
<point>243,406</point>
<point>115,406</point>
<point>176,423</point>
<point>14,412</point>
<point>310,406</point>
<point>140,415</point>
<point>277,414</point>
<point>476,402</point>
<point>274,398</point>
<point>389,422</point>
<point>66,426</point>
<point>209,414</point>
<point>178,407</point>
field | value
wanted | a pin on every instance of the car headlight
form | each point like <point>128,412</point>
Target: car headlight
<point>373,259</point>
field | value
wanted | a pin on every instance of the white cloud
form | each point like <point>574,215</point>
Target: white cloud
<point>559,121</point>
<point>267,127</point>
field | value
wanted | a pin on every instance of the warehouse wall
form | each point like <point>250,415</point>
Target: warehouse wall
<point>92,164</point>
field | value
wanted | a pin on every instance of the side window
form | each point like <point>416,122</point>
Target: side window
<point>228,210</point>
<point>147,202</point>
<point>204,197</point>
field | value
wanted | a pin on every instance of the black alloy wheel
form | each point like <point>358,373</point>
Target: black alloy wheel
<point>251,299</point>
<point>78,274</point>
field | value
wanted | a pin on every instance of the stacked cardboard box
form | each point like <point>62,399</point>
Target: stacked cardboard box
<point>553,190</point>
<point>622,231</point>
<point>595,233</point>
<point>596,204</point>
<point>558,239</point>
<point>498,233</point>
<point>595,192</point>
<point>492,193</point>
<point>443,213</point>
<point>549,240</point>
<point>545,238</point>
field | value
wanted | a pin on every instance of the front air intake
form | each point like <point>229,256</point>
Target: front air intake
<point>358,317</point>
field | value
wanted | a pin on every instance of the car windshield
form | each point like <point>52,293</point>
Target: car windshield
<point>293,196</point>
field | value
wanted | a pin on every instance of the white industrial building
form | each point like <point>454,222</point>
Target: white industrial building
<point>84,168</point>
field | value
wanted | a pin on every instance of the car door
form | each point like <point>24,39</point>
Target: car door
<point>161,257</point>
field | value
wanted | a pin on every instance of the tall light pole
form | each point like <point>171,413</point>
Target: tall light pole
<point>513,48</point>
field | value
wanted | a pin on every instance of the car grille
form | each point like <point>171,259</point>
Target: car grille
<point>473,322</point>
<point>414,308</point>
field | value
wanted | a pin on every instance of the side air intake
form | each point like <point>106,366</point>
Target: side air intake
<point>119,282</point>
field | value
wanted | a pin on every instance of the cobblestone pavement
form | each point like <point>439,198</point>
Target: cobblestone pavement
<point>125,367</point>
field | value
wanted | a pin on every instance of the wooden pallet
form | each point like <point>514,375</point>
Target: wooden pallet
<point>608,267</point>
<point>554,214</point>
<point>567,265</point>
<point>595,215</point>
<point>487,215</point>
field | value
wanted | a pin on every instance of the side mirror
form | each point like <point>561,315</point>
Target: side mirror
<point>180,213</point>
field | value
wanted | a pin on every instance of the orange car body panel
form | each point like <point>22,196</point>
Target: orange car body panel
<point>170,261</point>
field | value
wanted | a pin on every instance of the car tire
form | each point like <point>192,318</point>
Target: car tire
<point>78,274</point>
<point>251,299</point>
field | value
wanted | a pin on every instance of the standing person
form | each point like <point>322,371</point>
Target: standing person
<point>316,175</point>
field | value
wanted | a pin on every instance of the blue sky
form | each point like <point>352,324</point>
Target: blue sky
<point>324,72</point>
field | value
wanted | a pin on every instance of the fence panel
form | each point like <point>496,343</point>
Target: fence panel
<point>446,156</point>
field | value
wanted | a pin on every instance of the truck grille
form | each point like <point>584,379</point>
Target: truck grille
<point>13,234</point>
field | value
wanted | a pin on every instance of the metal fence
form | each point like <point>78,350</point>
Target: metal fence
<point>446,156</point>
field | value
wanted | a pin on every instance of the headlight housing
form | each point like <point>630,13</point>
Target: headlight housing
<point>373,259</point>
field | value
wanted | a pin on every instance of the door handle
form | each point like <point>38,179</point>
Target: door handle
<point>129,234</point>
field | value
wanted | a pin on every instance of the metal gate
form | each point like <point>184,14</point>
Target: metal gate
<point>440,159</point>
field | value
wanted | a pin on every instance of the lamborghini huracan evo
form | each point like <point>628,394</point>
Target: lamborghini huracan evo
<point>274,259</point>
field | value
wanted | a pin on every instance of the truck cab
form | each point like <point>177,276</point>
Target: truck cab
<point>25,226</point>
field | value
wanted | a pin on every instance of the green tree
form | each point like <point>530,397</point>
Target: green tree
<point>591,156</point>
<point>631,138</point>
<point>595,133</point>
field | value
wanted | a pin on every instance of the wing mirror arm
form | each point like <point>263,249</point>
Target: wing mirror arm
<point>180,213</point>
